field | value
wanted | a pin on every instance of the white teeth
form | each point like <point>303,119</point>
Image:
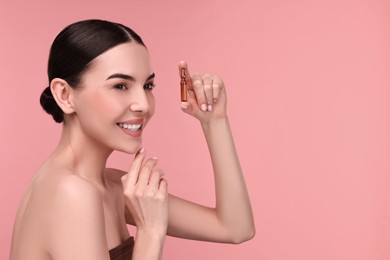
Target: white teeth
<point>131,127</point>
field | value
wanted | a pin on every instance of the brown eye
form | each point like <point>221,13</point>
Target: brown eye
<point>120,87</point>
<point>149,86</point>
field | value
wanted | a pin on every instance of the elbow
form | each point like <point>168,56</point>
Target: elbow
<point>243,236</point>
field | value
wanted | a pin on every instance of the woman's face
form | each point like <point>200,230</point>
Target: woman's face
<point>115,100</point>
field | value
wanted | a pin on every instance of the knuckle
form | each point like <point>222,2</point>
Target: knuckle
<point>161,196</point>
<point>164,182</point>
<point>151,194</point>
<point>144,174</point>
<point>196,80</point>
<point>128,193</point>
<point>147,167</point>
<point>207,87</point>
<point>146,170</point>
<point>138,194</point>
<point>197,84</point>
<point>217,85</point>
<point>157,173</point>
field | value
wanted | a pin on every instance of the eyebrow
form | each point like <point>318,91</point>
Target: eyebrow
<point>128,77</point>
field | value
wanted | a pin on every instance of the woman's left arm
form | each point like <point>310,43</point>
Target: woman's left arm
<point>231,220</point>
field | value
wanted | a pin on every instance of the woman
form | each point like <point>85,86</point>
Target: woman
<point>101,83</point>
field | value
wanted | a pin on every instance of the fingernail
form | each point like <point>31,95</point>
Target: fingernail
<point>203,107</point>
<point>215,100</point>
<point>141,150</point>
<point>155,158</point>
<point>184,105</point>
<point>210,108</point>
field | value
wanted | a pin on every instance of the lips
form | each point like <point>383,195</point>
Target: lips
<point>132,127</point>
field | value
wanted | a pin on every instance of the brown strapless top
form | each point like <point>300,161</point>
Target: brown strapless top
<point>124,251</point>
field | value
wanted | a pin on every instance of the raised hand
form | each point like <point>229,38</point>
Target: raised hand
<point>206,95</point>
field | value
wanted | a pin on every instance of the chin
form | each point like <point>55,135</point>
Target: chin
<point>130,149</point>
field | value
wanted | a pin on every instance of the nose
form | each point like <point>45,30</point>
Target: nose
<point>139,101</point>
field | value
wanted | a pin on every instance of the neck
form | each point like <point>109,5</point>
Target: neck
<point>84,155</point>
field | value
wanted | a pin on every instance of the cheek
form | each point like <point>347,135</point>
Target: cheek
<point>152,104</point>
<point>96,107</point>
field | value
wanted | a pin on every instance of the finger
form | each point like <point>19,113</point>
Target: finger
<point>146,170</point>
<point>208,91</point>
<point>155,178</point>
<point>197,83</point>
<point>217,86</point>
<point>132,176</point>
<point>163,186</point>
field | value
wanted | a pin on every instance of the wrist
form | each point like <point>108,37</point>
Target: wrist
<point>215,122</point>
<point>151,233</point>
<point>150,239</point>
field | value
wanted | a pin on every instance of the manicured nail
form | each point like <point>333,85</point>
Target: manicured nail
<point>210,108</point>
<point>203,107</point>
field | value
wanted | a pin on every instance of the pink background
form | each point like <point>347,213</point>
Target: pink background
<point>308,87</point>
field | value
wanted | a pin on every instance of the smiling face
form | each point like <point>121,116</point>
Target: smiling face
<point>115,100</point>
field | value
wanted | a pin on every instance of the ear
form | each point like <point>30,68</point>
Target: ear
<point>62,94</point>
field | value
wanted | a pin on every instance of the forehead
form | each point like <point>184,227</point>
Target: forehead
<point>128,58</point>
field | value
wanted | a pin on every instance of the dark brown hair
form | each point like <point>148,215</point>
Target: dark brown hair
<point>73,50</point>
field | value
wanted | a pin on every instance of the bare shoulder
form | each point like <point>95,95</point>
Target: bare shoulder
<point>71,187</point>
<point>55,191</point>
<point>62,212</point>
<point>77,215</point>
<point>71,194</point>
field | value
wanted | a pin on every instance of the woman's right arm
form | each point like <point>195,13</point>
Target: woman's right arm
<point>146,199</point>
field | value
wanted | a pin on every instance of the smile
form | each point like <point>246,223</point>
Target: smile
<point>131,127</point>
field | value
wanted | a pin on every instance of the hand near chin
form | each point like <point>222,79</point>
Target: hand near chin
<point>146,195</point>
<point>206,95</point>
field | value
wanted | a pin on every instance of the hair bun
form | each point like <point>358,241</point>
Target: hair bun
<point>50,105</point>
